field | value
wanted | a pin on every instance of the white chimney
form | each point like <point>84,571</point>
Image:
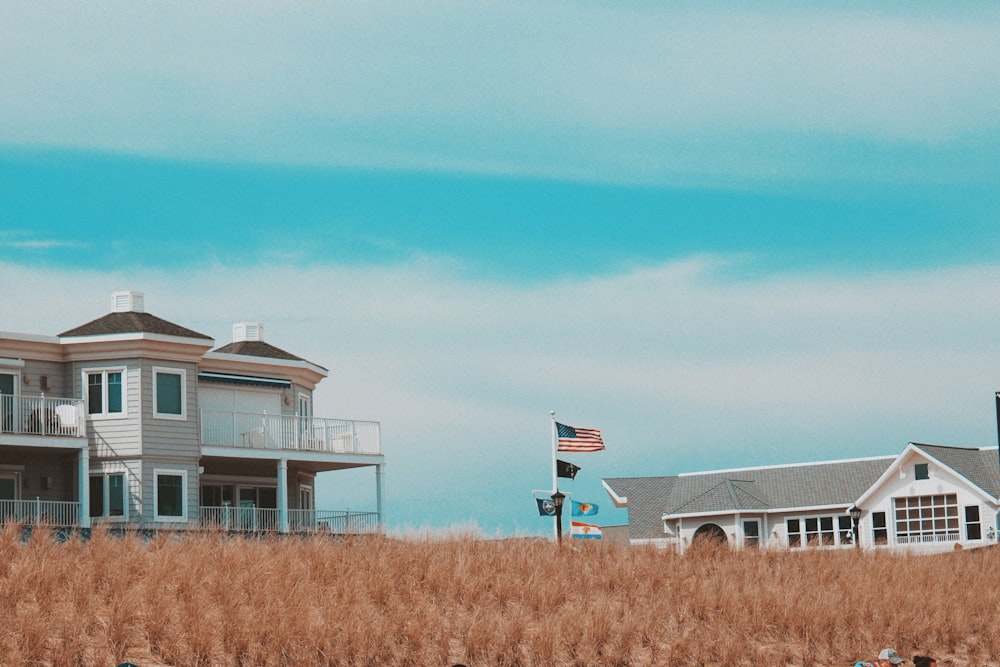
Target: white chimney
<point>127,302</point>
<point>244,331</point>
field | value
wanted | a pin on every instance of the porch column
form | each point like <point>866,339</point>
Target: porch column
<point>380,493</point>
<point>283,495</point>
<point>83,492</point>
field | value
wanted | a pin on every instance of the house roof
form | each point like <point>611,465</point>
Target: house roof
<point>258,348</point>
<point>132,322</point>
<point>824,484</point>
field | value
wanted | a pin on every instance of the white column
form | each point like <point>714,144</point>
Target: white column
<point>380,493</point>
<point>83,466</point>
<point>283,495</point>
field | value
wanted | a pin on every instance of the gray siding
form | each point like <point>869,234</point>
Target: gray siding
<point>166,437</point>
<point>118,436</point>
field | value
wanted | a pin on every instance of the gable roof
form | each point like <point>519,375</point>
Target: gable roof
<point>979,466</point>
<point>132,322</point>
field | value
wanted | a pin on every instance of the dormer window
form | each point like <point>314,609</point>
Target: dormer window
<point>921,471</point>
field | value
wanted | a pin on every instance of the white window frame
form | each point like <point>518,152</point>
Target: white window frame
<point>106,500</point>
<point>172,472</point>
<point>835,532</point>
<point>103,372</point>
<point>915,521</point>
<point>170,371</point>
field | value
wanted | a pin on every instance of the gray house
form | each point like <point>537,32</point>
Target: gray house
<point>133,420</point>
<point>927,498</point>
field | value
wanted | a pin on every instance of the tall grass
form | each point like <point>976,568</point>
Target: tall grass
<point>208,599</point>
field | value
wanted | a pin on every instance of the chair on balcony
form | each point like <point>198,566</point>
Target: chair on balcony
<point>67,419</point>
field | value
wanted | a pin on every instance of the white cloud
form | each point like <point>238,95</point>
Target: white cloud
<point>683,368</point>
<point>566,89</point>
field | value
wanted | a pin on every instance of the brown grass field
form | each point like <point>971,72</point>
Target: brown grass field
<point>209,599</point>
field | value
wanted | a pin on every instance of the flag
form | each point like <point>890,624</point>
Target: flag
<point>584,530</point>
<point>546,507</point>
<point>578,439</point>
<point>566,469</point>
<point>584,509</point>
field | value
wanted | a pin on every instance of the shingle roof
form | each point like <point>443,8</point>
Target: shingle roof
<point>258,348</point>
<point>132,322</point>
<point>979,466</point>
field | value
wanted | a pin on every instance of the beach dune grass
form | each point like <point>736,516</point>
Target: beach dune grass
<point>212,599</point>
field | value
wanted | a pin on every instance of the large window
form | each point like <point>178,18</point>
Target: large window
<point>105,392</point>
<point>927,519</point>
<point>819,531</point>
<point>169,393</point>
<point>170,495</point>
<point>108,493</point>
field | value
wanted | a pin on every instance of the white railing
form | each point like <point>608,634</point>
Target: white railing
<point>267,520</point>
<point>338,522</point>
<point>40,512</point>
<point>246,519</point>
<point>40,415</point>
<point>951,536</point>
<point>254,430</point>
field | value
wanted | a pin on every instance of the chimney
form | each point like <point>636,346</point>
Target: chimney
<point>247,331</point>
<point>127,302</point>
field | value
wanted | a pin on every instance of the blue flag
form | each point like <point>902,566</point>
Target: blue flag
<point>546,507</point>
<point>584,509</point>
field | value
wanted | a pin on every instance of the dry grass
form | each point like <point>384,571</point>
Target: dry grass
<point>212,600</point>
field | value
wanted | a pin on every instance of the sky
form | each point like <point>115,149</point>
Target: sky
<point>725,234</point>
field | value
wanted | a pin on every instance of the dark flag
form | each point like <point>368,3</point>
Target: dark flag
<point>546,507</point>
<point>566,469</point>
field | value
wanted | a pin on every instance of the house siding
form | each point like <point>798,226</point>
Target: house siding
<point>166,437</point>
<point>114,436</point>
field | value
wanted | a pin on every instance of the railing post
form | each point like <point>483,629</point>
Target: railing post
<point>38,510</point>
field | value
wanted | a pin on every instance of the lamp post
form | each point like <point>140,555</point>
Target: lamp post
<point>855,513</point>
<point>557,499</point>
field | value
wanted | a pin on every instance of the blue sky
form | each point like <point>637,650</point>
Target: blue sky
<point>727,235</point>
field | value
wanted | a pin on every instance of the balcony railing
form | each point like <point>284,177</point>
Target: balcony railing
<point>40,512</point>
<point>254,430</point>
<point>40,415</point>
<point>266,520</point>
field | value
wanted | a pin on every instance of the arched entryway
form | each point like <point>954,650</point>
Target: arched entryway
<point>710,533</point>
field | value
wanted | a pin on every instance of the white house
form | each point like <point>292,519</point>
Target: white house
<point>132,420</point>
<point>927,498</point>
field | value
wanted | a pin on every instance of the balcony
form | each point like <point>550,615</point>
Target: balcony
<point>252,430</point>
<point>39,415</point>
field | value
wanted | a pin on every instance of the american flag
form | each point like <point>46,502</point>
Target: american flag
<point>578,439</point>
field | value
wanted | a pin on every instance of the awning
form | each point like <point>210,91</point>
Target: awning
<point>229,378</point>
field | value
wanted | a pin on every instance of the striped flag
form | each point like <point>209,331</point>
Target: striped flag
<point>585,530</point>
<point>578,439</point>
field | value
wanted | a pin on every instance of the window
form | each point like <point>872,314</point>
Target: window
<point>921,471</point>
<point>169,495</point>
<point>107,495</point>
<point>105,389</point>
<point>751,533</point>
<point>973,529</point>
<point>169,393</point>
<point>880,535</point>
<point>794,537</point>
<point>817,531</point>
<point>926,519</point>
<point>846,529</point>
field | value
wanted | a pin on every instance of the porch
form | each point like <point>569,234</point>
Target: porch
<point>267,520</point>
<point>37,512</point>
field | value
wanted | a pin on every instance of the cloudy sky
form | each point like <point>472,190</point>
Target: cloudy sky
<point>725,234</point>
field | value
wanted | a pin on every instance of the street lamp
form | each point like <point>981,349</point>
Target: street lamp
<point>557,499</point>
<point>855,513</point>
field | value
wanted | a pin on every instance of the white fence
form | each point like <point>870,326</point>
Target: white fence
<point>267,520</point>
<point>254,430</point>
<point>40,512</point>
<point>39,415</point>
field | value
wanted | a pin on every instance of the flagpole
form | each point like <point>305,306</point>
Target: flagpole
<point>555,477</point>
